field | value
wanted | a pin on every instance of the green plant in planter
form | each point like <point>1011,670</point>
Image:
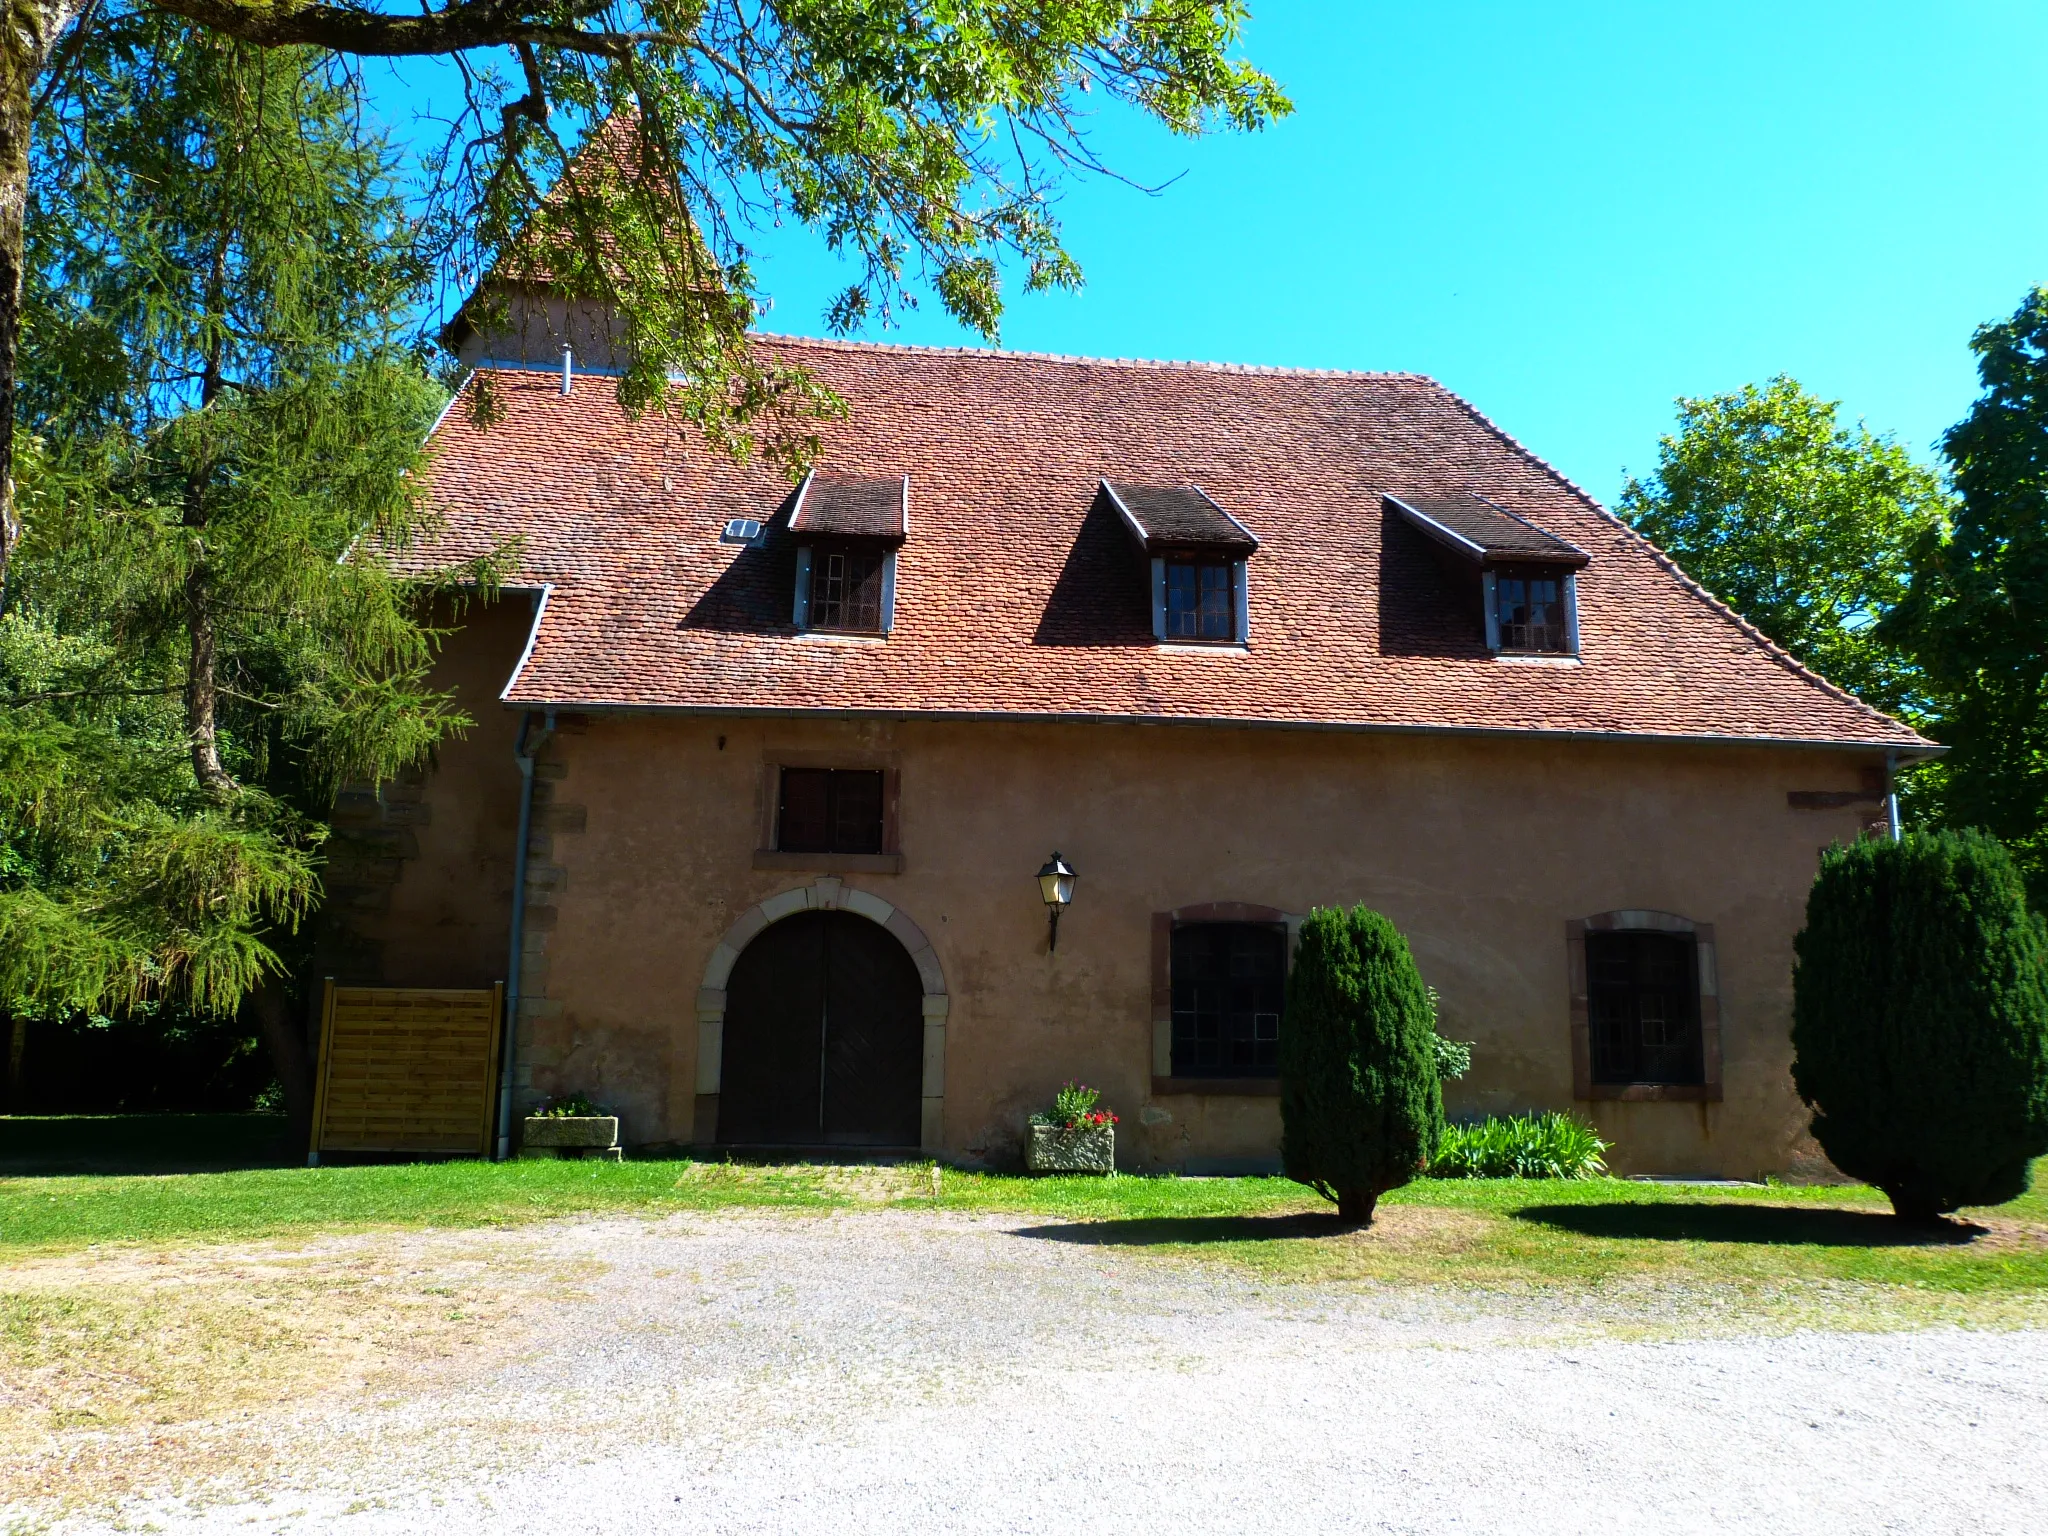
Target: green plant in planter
<point>567,1106</point>
<point>1361,1105</point>
<point>1074,1108</point>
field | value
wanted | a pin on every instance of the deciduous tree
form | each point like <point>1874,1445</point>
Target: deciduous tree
<point>1976,618</point>
<point>924,141</point>
<point>1801,524</point>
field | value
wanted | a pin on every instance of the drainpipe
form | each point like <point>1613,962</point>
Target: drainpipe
<point>1891,794</point>
<point>523,753</point>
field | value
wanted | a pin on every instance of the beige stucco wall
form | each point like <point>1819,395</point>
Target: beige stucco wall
<point>1479,849</point>
<point>420,879</point>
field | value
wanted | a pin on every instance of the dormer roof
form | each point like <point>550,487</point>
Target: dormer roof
<point>1468,524</point>
<point>1168,518</point>
<point>843,508</point>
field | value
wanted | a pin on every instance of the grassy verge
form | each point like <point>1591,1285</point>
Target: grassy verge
<point>76,1211</point>
<point>1480,1233</point>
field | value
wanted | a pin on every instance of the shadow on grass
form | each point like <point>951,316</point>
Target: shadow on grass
<point>1785,1225</point>
<point>46,1145</point>
<point>1158,1231</point>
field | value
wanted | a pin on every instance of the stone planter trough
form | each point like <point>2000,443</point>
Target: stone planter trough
<point>571,1136</point>
<point>1083,1149</point>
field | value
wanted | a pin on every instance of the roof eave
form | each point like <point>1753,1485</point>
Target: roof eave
<point>1904,752</point>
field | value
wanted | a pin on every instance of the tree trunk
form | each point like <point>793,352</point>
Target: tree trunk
<point>202,699</point>
<point>289,1055</point>
<point>30,31</point>
<point>1914,1204</point>
<point>17,1066</point>
<point>1355,1206</point>
<point>202,694</point>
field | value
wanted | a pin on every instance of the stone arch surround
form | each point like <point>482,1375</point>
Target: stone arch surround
<point>825,894</point>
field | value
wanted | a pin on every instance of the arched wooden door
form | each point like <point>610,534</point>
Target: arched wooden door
<point>824,1038</point>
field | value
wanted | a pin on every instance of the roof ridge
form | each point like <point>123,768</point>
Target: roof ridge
<point>1764,642</point>
<point>1178,365</point>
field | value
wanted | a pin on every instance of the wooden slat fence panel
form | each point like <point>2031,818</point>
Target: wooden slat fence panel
<point>407,1069</point>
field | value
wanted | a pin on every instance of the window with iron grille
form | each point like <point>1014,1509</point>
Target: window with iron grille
<point>830,810</point>
<point>1643,1001</point>
<point>1530,608</point>
<point>1229,981</point>
<point>846,590</point>
<point>1200,604</point>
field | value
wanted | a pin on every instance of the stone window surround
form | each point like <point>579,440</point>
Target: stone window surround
<point>1637,919</point>
<point>1164,1083</point>
<point>888,862</point>
<point>827,894</point>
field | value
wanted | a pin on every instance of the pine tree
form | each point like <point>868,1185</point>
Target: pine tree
<point>198,643</point>
<point>1361,1109</point>
<point>1920,1020</point>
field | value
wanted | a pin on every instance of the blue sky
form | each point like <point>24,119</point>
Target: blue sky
<point>1573,212</point>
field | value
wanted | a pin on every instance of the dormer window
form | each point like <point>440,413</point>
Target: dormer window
<point>1201,600</point>
<point>1528,578</point>
<point>1199,558</point>
<point>847,533</point>
<point>846,589</point>
<point>1530,609</point>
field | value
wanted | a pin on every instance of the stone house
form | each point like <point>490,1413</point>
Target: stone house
<point>1234,642</point>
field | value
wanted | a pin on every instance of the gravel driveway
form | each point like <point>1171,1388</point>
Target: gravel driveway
<point>912,1372</point>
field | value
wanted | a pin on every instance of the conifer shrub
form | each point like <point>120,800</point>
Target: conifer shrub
<point>1361,1107</point>
<point>1920,1020</point>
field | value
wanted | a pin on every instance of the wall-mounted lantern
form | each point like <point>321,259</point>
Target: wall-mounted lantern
<point>1056,885</point>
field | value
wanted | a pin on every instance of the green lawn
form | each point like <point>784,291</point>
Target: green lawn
<point>1596,1234</point>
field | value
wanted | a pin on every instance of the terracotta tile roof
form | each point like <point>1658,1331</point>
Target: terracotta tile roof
<point>1021,592</point>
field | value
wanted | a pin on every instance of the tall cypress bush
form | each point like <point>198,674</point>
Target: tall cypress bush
<point>1920,1020</point>
<point>1360,1105</point>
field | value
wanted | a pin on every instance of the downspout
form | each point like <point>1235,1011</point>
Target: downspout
<point>524,750</point>
<point>1891,795</point>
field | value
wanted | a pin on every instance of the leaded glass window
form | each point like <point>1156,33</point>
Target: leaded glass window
<point>1229,984</point>
<point>1643,995</point>
<point>1199,602</point>
<point>1530,608</point>
<point>846,590</point>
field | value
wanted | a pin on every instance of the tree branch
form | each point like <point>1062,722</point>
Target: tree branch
<point>463,25</point>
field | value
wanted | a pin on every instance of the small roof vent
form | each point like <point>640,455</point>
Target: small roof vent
<point>877,510</point>
<point>1486,533</point>
<point>1183,517</point>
